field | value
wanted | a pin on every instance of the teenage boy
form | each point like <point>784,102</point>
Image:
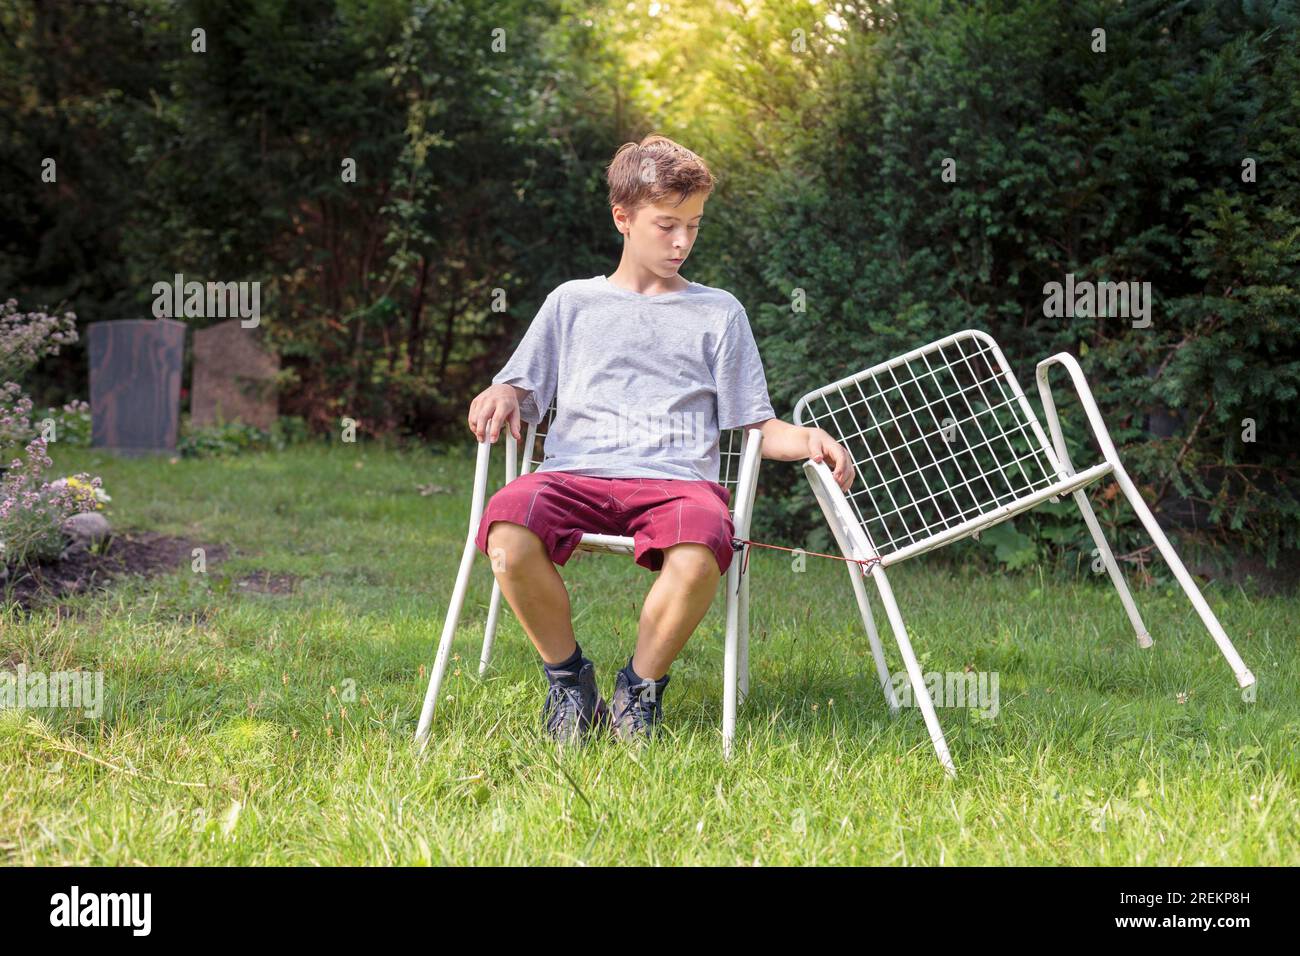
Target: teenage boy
<point>646,368</point>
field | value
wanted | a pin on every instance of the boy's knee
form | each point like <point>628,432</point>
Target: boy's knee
<point>692,560</point>
<point>510,544</point>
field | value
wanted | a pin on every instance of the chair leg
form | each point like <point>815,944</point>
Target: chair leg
<point>743,663</point>
<point>444,645</point>
<point>1117,578</point>
<point>919,693</point>
<point>1239,669</point>
<point>490,632</point>
<point>731,660</point>
<point>882,669</point>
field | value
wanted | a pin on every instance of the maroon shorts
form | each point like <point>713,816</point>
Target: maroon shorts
<point>560,507</point>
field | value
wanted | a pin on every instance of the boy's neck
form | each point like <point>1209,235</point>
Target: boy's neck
<point>634,278</point>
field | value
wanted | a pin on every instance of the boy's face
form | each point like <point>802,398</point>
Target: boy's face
<point>659,236</point>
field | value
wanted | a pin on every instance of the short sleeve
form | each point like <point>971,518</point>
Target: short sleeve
<point>534,363</point>
<point>738,376</point>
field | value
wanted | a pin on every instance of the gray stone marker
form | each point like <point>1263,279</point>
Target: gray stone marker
<point>135,384</point>
<point>234,377</point>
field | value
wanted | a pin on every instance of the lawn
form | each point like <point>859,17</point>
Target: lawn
<point>242,727</point>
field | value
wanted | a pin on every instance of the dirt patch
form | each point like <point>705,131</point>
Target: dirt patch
<point>145,553</point>
<point>265,582</point>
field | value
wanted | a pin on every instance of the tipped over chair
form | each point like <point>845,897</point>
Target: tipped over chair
<point>945,444</point>
<point>739,457</point>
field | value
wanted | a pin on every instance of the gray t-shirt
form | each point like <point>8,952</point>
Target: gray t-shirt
<point>643,384</point>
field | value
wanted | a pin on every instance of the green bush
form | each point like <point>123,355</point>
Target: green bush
<point>233,438</point>
<point>1122,165</point>
<point>72,424</point>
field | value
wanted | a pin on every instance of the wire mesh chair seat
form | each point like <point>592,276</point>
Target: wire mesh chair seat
<point>945,444</point>
<point>740,452</point>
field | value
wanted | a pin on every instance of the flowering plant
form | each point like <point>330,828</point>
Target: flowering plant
<point>85,490</point>
<point>32,510</point>
<point>27,337</point>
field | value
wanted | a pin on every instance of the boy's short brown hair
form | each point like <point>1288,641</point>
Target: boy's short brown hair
<point>644,173</point>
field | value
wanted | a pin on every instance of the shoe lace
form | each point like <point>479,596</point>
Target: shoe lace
<point>644,708</point>
<point>564,704</point>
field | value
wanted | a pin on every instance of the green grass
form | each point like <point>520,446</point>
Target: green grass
<point>224,740</point>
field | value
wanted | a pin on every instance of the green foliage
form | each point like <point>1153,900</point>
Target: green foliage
<point>1123,165</point>
<point>393,299</point>
<point>72,424</point>
<point>383,296</point>
<point>232,438</point>
<point>1010,547</point>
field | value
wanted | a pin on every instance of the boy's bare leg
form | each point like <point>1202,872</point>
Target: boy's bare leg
<point>677,602</point>
<point>534,588</point>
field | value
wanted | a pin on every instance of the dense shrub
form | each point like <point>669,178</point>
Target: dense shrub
<point>232,438</point>
<point>1123,165</point>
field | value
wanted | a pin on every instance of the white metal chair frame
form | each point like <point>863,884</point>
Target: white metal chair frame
<point>987,460</point>
<point>739,456</point>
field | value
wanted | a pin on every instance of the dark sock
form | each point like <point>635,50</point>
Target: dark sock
<point>565,670</point>
<point>635,678</point>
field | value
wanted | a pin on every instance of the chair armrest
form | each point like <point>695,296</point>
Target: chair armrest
<point>482,464</point>
<point>751,454</point>
<point>1099,432</point>
<point>849,536</point>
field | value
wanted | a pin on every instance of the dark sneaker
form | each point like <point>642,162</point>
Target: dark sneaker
<point>635,709</point>
<point>574,707</point>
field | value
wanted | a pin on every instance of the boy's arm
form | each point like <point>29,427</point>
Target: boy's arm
<point>783,441</point>
<point>534,364</point>
<point>742,394</point>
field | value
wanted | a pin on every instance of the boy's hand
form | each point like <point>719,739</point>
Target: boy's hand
<point>492,407</point>
<point>821,446</point>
